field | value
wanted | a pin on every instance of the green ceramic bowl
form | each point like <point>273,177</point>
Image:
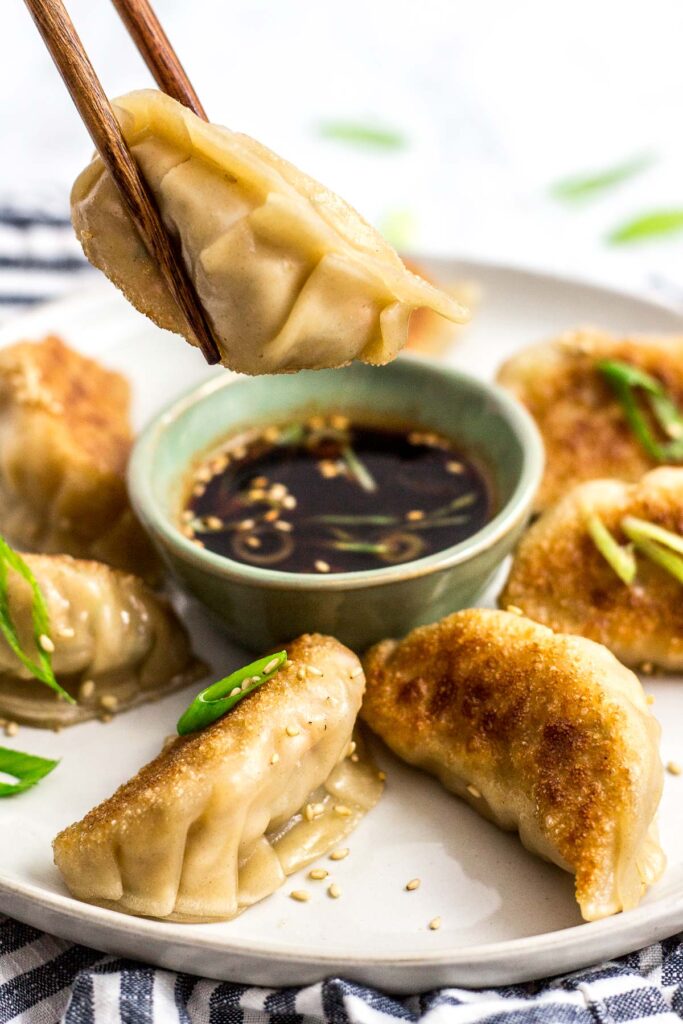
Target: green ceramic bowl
<point>263,607</point>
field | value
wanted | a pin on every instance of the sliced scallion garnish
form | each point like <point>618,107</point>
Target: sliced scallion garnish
<point>219,698</point>
<point>620,557</point>
<point>626,381</point>
<point>27,769</point>
<point>42,669</point>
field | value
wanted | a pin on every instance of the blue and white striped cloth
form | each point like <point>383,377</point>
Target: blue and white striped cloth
<point>44,980</point>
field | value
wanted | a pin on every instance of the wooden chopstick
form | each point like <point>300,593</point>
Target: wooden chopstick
<point>66,50</point>
<point>157,52</point>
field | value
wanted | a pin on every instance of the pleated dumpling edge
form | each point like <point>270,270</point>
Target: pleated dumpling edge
<point>290,276</point>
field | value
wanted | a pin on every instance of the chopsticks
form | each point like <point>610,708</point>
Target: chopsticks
<point>157,52</point>
<point>66,50</point>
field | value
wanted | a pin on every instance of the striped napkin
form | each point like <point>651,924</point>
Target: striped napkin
<point>44,980</point>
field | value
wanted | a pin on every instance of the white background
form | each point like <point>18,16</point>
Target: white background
<point>497,99</point>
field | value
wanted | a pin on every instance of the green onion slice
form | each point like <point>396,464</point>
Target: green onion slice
<point>27,769</point>
<point>42,670</point>
<point>619,557</point>
<point>656,543</point>
<point>626,380</point>
<point>219,698</point>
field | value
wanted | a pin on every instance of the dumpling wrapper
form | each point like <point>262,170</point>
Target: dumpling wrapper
<point>558,576</point>
<point>107,628</point>
<point>65,437</point>
<point>215,822</point>
<point>289,275</point>
<point>542,733</point>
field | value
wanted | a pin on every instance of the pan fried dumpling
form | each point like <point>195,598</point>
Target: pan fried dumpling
<point>220,818</point>
<point>540,732</point>
<point>116,644</point>
<point>290,276</point>
<point>65,435</point>
<point>558,576</point>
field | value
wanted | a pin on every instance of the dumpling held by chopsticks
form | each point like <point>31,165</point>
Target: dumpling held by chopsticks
<point>290,277</point>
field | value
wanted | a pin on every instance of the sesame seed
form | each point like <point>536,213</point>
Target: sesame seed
<point>257,494</point>
<point>277,492</point>
<point>301,672</point>
<point>300,895</point>
<point>275,758</point>
<point>312,670</point>
<point>246,524</point>
<point>308,812</point>
<point>214,523</point>
<point>187,531</point>
<point>473,791</point>
<point>321,566</point>
<point>292,730</point>
<point>272,664</point>
<point>674,768</point>
<point>340,854</point>
<point>109,701</point>
<point>413,884</point>
<point>253,542</point>
<point>198,543</point>
<point>343,811</point>
<point>355,758</point>
<point>87,689</point>
<point>317,874</point>
<point>514,609</point>
<point>45,642</point>
<point>271,434</point>
<point>198,490</point>
<point>435,924</point>
<point>455,467</point>
<point>235,691</point>
<point>106,718</point>
<point>382,776</point>
<point>67,632</point>
<point>650,699</point>
<point>317,809</point>
<point>283,525</point>
<point>289,502</point>
<point>415,515</point>
<point>351,748</point>
<point>333,891</point>
<point>356,672</point>
<point>11,729</point>
<point>271,515</point>
<point>339,422</point>
<point>203,474</point>
<point>260,481</point>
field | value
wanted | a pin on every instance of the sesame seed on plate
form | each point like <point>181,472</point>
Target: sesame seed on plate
<point>340,854</point>
<point>300,895</point>
<point>413,884</point>
<point>333,891</point>
<point>11,728</point>
<point>674,768</point>
<point>317,874</point>
<point>435,924</point>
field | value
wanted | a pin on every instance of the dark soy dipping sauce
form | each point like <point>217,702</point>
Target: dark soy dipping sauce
<point>326,495</point>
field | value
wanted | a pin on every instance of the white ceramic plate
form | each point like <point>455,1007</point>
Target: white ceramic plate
<point>506,915</point>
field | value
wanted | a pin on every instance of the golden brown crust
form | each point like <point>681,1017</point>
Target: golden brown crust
<point>525,718</point>
<point>583,427</point>
<point>559,578</point>
<point>66,436</point>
